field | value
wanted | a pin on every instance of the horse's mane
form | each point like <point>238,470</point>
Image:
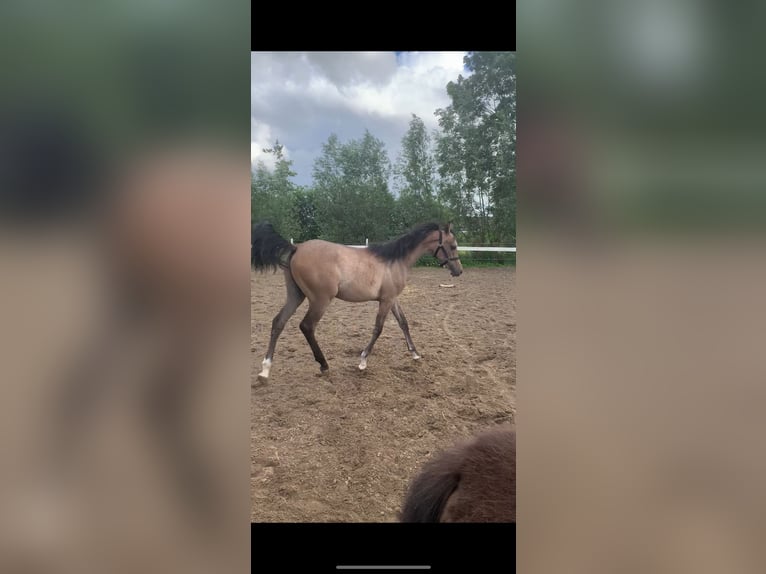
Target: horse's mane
<point>401,247</point>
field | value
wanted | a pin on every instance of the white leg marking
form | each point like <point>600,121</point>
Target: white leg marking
<point>363,363</point>
<point>264,374</point>
<point>415,355</point>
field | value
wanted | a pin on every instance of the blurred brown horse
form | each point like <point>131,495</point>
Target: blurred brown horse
<point>171,251</point>
<point>471,482</point>
<point>322,271</point>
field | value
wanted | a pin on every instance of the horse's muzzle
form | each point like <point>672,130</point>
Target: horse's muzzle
<point>455,273</point>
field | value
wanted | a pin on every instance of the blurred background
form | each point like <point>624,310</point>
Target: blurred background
<point>641,219</point>
<point>124,215</point>
<point>124,357</point>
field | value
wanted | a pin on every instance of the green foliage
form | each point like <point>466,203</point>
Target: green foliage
<point>415,180</point>
<point>415,169</point>
<point>465,173</point>
<point>351,185</point>
<point>304,213</point>
<point>476,150</point>
<point>272,194</point>
<point>473,259</point>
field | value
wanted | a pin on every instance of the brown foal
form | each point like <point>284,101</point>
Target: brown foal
<point>320,271</point>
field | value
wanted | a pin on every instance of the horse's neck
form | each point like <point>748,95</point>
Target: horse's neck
<point>417,253</point>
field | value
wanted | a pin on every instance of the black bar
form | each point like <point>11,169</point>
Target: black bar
<point>443,547</point>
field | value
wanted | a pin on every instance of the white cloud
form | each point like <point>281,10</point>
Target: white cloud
<point>262,137</point>
<point>418,87</point>
<point>301,98</point>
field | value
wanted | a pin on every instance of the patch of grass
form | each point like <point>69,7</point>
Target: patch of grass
<point>474,259</point>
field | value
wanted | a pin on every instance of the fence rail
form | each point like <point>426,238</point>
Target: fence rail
<point>460,248</point>
<point>496,249</point>
<point>467,248</point>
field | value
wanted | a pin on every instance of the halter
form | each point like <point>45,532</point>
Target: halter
<point>440,247</point>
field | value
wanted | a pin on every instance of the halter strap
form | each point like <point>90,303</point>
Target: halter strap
<point>440,247</point>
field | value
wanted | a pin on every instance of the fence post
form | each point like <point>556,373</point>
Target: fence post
<point>366,241</point>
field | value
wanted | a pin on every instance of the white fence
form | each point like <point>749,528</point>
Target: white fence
<point>468,248</point>
<point>496,249</point>
<point>460,247</point>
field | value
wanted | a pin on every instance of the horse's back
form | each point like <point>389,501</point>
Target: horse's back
<point>327,250</point>
<point>325,269</point>
<point>319,253</point>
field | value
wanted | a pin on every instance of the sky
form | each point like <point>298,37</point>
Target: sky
<point>300,98</point>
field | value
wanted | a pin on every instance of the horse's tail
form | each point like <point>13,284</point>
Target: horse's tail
<point>430,490</point>
<point>269,249</point>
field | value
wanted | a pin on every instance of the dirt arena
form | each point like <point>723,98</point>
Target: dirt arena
<point>342,447</point>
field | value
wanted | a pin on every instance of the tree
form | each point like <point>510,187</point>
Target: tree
<point>415,168</point>
<point>351,184</point>
<point>304,214</point>
<point>415,178</point>
<point>272,193</point>
<point>476,151</point>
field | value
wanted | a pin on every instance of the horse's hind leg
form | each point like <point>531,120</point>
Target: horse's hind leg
<point>402,320</point>
<point>383,309</point>
<point>294,298</point>
<point>308,325</point>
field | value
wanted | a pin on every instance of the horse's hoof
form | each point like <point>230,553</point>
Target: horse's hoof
<point>362,365</point>
<point>264,374</point>
<point>415,356</point>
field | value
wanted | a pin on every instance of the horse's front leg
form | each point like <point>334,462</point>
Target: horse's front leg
<point>402,320</point>
<point>380,319</point>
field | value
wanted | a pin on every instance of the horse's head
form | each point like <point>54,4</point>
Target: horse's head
<point>446,251</point>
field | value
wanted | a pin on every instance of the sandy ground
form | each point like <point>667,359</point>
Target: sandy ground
<point>343,447</point>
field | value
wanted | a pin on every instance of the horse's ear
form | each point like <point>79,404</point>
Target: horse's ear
<point>448,228</point>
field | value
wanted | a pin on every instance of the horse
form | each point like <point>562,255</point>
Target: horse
<point>474,481</point>
<point>166,307</point>
<point>321,271</point>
